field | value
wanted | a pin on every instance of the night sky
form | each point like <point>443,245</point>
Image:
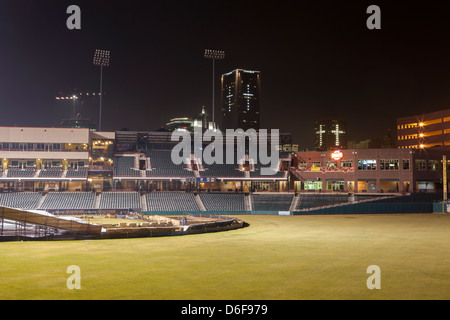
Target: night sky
<point>316,59</point>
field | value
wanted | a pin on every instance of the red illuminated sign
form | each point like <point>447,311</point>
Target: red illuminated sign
<point>336,155</point>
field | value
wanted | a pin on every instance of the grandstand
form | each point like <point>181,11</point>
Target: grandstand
<point>75,169</point>
<point>223,201</point>
<point>171,201</point>
<point>307,200</point>
<point>120,200</point>
<point>272,201</point>
<point>195,202</point>
<point>20,200</point>
<point>163,167</point>
<point>125,166</point>
<point>68,200</point>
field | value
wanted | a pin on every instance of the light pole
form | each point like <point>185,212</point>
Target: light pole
<point>214,55</point>
<point>101,59</point>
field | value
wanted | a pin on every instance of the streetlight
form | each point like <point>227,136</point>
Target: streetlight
<point>101,59</point>
<point>214,55</point>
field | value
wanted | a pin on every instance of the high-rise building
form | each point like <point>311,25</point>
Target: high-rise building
<point>330,134</point>
<point>241,99</point>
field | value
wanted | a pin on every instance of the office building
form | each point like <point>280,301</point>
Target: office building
<point>424,131</point>
<point>330,134</point>
<point>241,99</point>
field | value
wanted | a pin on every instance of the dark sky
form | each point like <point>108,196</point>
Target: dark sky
<point>316,58</point>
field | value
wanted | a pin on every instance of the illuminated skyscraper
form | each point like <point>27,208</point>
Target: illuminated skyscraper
<point>330,134</point>
<point>240,99</point>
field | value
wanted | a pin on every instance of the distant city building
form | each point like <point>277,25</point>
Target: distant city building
<point>78,123</point>
<point>424,131</point>
<point>189,124</point>
<point>388,141</point>
<point>241,99</point>
<point>330,134</point>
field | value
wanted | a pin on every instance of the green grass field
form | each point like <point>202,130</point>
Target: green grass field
<point>277,257</point>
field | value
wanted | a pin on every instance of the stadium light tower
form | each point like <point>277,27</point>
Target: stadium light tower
<point>214,55</point>
<point>101,59</point>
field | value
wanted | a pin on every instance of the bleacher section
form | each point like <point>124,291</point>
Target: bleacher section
<point>20,173</point>
<point>51,173</point>
<point>171,201</point>
<point>162,165</point>
<point>256,173</point>
<point>77,173</point>
<point>307,201</point>
<point>120,200</point>
<point>223,202</point>
<point>20,200</point>
<point>124,167</point>
<point>223,170</point>
<point>271,202</point>
<point>68,200</point>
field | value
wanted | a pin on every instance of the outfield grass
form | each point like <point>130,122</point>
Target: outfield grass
<point>277,257</point>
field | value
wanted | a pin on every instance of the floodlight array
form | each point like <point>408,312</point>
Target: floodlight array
<point>214,54</point>
<point>101,58</point>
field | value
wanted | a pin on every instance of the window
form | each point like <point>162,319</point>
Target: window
<point>405,164</point>
<point>421,165</point>
<point>331,164</point>
<point>335,185</point>
<point>56,164</point>
<point>367,164</point>
<point>346,163</point>
<point>313,185</point>
<point>315,164</point>
<point>302,164</point>
<point>388,164</point>
<point>433,165</point>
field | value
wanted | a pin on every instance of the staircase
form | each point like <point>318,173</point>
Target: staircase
<point>294,202</point>
<point>41,200</point>
<point>199,202</point>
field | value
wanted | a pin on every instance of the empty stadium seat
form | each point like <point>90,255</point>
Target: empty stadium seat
<point>120,200</point>
<point>223,201</point>
<point>124,166</point>
<point>162,165</point>
<point>271,202</point>
<point>20,200</point>
<point>68,200</point>
<point>171,201</point>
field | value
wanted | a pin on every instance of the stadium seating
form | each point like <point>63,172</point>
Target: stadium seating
<point>20,200</point>
<point>271,202</point>
<point>223,201</point>
<point>20,173</point>
<point>223,170</point>
<point>171,201</point>
<point>124,166</point>
<point>162,165</point>
<point>51,173</point>
<point>307,201</point>
<point>256,173</point>
<point>120,200</point>
<point>77,173</point>
<point>68,200</point>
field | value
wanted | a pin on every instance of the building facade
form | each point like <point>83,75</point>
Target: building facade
<point>240,99</point>
<point>424,131</point>
<point>394,170</point>
<point>53,159</point>
<point>330,134</point>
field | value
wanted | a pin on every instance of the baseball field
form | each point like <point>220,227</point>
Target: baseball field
<point>276,257</point>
